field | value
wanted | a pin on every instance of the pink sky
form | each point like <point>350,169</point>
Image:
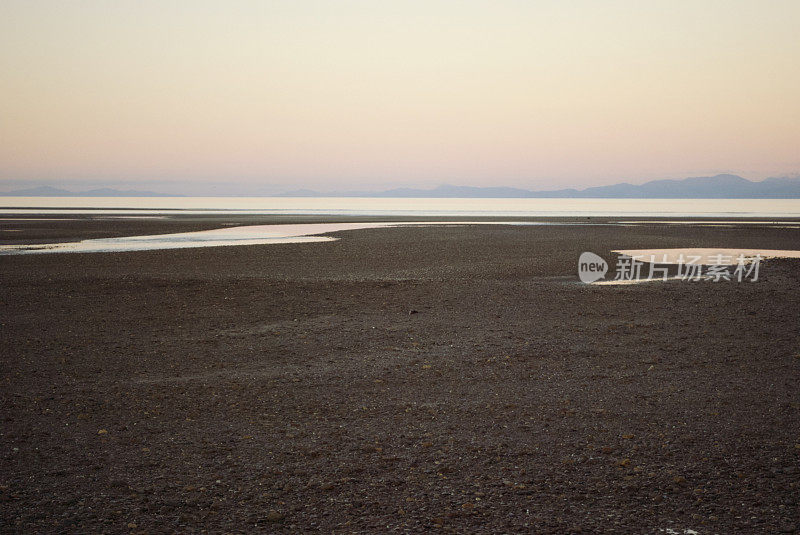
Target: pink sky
<point>355,94</point>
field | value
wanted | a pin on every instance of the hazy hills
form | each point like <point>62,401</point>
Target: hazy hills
<point>49,191</point>
<point>712,187</point>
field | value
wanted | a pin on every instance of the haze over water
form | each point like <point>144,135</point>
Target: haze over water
<point>730,208</point>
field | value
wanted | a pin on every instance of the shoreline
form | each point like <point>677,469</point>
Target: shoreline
<point>417,207</point>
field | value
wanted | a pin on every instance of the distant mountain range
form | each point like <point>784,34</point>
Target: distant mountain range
<point>49,191</point>
<point>711,187</point>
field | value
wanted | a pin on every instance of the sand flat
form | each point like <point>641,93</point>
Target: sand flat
<point>409,377</point>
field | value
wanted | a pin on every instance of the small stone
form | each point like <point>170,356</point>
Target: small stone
<point>102,432</point>
<point>275,516</point>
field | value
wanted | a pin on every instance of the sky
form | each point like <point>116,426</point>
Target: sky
<point>372,94</point>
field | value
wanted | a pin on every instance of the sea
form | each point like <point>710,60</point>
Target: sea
<point>370,206</point>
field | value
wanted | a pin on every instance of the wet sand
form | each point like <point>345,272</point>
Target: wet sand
<point>457,379</point>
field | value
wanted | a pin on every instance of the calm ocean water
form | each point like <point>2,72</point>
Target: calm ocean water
<point>732,208</point>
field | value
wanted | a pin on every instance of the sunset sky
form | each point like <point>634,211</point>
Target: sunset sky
<point>376,94</point>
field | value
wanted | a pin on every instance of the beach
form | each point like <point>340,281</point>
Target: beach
<point>405,379</point>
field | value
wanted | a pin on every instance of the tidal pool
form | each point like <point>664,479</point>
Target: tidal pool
<point>704,256</point>
<point>228,236</point>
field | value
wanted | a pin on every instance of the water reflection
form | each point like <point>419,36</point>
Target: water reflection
<point>704,256</point>
<point>244,235</point>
